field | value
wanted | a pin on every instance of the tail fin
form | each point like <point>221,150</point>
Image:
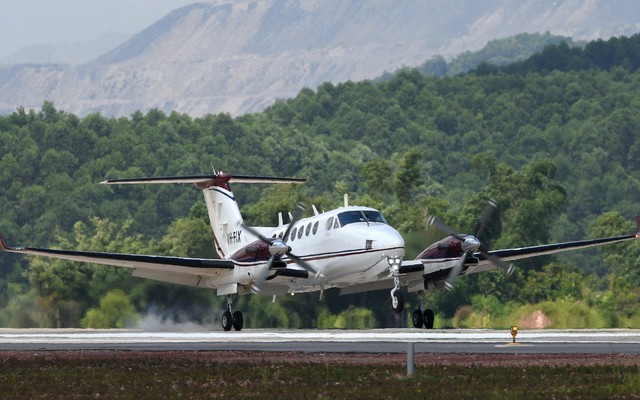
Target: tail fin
<point>224,214</point>
<point>225,219</point>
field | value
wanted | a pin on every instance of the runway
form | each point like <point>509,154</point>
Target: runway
<point>327,341</point>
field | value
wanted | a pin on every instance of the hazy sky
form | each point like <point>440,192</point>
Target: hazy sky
<point>24,22</point>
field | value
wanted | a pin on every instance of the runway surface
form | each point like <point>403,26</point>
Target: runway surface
<point>327,341</point>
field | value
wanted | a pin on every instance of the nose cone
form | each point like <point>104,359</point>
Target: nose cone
<point>390,240</point>
<point>471,244</point>
<point>375,236</point>
<point>278,247</point>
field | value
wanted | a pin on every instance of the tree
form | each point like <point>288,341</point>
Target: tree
<point>115,311</point>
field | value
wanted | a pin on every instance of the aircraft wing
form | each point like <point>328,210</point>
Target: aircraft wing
<point>185,271</point>
<point>547,249</point>
<point>422,272</point>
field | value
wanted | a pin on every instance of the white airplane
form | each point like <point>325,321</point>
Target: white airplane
<point>351,248</point>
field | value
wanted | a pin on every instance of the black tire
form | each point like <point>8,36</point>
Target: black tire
<point>238,321</point>
<point>227,321</point>
<point>397,302</point>
<point>428,319</point>
<point>417,318</point>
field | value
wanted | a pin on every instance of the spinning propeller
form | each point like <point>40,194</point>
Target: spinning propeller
<point>277,249</point>
<point>471,244</point>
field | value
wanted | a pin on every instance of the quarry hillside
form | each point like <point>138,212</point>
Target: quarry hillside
<point>239,56</point>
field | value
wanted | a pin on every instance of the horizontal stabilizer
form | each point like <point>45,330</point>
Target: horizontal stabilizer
<point>203,179</point>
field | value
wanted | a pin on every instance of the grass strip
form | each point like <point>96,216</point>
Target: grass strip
<point>130,375</point>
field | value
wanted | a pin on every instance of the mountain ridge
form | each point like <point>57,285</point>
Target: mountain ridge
<point>240,57</point>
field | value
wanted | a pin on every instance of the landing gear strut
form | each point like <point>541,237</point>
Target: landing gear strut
<point>230,318</point>
<point>421,316</point>
<point>397,300</point>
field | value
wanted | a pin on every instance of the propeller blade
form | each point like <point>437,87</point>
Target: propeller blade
<point>303,263</point>
<point>486,215</point>
<point>256,233</point>
<point>442,227</point>
<point>508,268</point>
<point>488,211</point>
<point>455,271</point>
<point>262,276</point>
<point>294,218</point>
<point>300,208</point>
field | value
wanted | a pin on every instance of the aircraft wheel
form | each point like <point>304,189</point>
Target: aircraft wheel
<point>227,321</point>
<point>397,302</point>
<point>417,318</point>
<point>428,319</point>
<point>238,321</point>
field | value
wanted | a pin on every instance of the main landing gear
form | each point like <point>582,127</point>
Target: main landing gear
<point>232,318</point>
<point>420,317</point>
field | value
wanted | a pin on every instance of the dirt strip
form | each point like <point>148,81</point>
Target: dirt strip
<point>485,360</point>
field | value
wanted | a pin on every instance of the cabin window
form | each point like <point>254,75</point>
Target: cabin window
<point>315,227</point>
<point>280,235</point>
<point>293,234</point>
<point>329,224</point>
<point>308,230</point>
<point>300,232</point>
<point>336,224</point>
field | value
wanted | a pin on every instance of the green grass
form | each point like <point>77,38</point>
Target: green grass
<point>132,377</point>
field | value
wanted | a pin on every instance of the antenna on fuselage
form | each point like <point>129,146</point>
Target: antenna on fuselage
<point>346,200</point>
<point>280,220</point>
<point>315,210</point>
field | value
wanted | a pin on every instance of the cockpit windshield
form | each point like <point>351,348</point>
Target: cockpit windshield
<point>368,216</point>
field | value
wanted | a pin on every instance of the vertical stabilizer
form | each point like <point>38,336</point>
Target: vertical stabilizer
<point>224,213</point>
<point>226,220</point>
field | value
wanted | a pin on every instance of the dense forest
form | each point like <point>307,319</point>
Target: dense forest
<point>554,139</point>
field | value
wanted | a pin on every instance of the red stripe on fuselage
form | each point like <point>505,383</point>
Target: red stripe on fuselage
<point>315,257</point>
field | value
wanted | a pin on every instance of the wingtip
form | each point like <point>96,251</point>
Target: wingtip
<point>3,244</point>
<point>5,247</point>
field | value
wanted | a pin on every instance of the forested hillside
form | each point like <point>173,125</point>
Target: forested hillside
<point>497,52</point>
<point>555,140</point>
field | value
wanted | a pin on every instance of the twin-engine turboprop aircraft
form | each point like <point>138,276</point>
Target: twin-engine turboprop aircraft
<point>351,248</point>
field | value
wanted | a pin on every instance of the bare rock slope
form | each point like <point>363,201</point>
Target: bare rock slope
<point>239,56</point>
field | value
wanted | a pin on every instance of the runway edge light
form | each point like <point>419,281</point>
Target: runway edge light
<point>514,332</point>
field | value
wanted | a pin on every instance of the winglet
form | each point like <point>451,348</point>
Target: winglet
<point>3,244</point>
<point>5,247</point>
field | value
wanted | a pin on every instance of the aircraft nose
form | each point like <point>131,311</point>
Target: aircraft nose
<point>391,240</point>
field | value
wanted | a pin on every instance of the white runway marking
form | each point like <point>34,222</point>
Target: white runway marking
<point>70,336</point>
